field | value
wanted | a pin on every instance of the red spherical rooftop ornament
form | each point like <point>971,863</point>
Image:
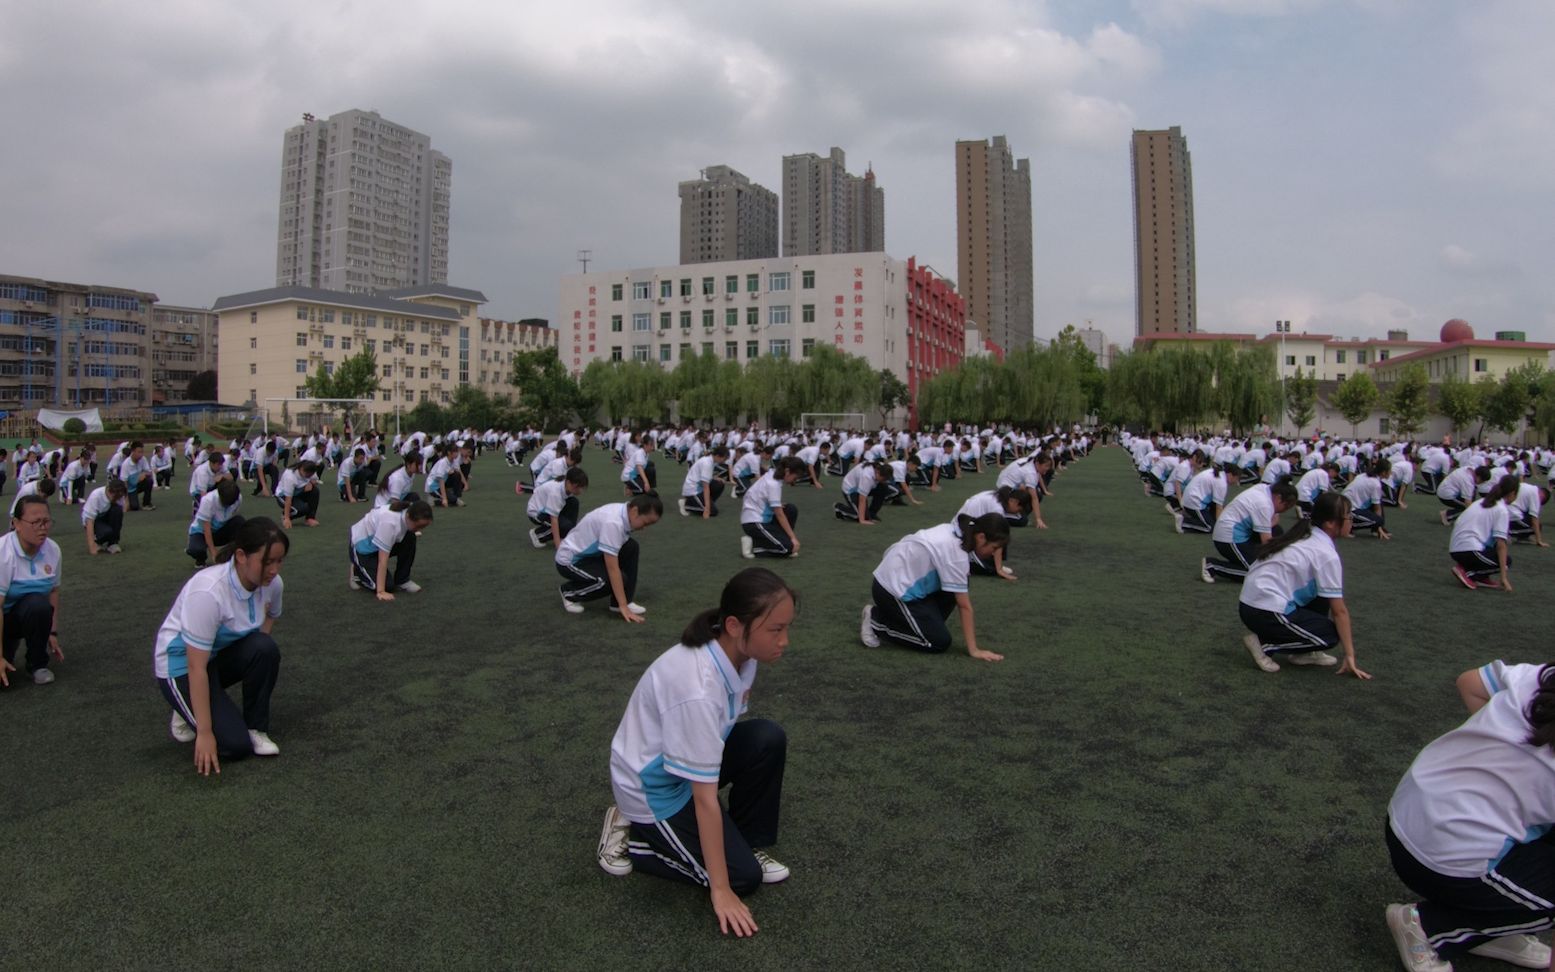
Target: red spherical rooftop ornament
<point>1457,329</point>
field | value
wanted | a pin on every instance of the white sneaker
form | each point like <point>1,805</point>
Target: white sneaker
<point>1261,657</point>
<point>263,744</point>
<point>180,729</point>
<point>1204,574</point>
<point>571,607</point>
<point>772,870</point>
<point>866,631</point>
<point>681,503</point>
<point>1524,950</point>
<point>535,541</point>
<point>42,677</point>
<point>747,548</point>
<point>1313,658</point>
<point>636,608</point>
<point>409,587</point>
<point>112,548</point>
<point>1177,521</point>
<point>355,584</point>
<point>612,854</point>
<point>459,501</point>
<point>1414,949</point>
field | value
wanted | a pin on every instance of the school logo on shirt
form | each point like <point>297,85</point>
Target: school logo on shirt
<point>745,700</point>
<point>48,568</point>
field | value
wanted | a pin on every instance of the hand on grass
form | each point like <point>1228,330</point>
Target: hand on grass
<point>384,596</point>
<point>5,667</point>
<point>984,655</point>
<point>55,649</point>
<point>1348,665</point>
<point>630,617</point>
<point>733,914</point>
<point>205,754</point>
<point>1041,524</point>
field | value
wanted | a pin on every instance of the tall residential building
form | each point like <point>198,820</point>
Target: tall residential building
<point>826,210</point>
<point>1166,296</point>
<point>183,344</point>
<point>364,206</point>
<point>725,216</point>
<point>73,344</point>
<point>993,240</point>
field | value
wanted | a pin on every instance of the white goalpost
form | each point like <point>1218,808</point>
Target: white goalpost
<point>831,420</point>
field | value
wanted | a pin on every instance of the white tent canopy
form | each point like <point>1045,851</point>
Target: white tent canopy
<point>53,418</point>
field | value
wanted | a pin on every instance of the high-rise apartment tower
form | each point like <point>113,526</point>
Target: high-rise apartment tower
<point>364,206</point>
<point>827,210</point>
<point>1165,291</point>
<point>725,216</point>
<point>993,240</point>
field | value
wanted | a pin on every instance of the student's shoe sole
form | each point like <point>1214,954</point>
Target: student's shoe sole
<point>1260,657</point>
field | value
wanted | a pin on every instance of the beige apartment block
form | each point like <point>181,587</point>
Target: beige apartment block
<point>364,206</point>
<point>183,344</point>
<point>993,240</point>
<point>1165,281</point>
<point>424,339</point>
<point>828,210</point>
<point>738,311</point>
<point>725,216</point>
<point>500,342</point>
<point>69,344</point>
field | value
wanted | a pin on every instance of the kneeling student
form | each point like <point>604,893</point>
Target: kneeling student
<point>103,517</point>
<point>553,508</point>
<point>599,557</point>
<point>1014,505</point>
<point>387,531</point>
<point>699,493</point>
<point>679,742</point>
<point>216,521</point>
<point>763,507</point>
<point>29,585</point>
<point>923,577</point>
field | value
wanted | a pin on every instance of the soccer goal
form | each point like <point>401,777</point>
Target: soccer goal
<point>312,413</point>
<point>831,420</point>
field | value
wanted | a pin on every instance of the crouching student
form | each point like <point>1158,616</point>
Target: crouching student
<point>903,473</point>
<point>1246,522</point>
<point>217,634</point>
<point>103,517</point>
<point>352,476</point>
<point>553,508</point>
<point>1292,600</point>
<point>1202,498</point>
<point>385,532</point>
<point>763,509</point>
<point>599,557</point>
<point>29,585</point>
<point>865,489</point>
<point>923,577</point>
<point>1480,536</point>
<point>1469,827</point>
<point>679,742</point>
<point>702,487</point>
<point>216,521</point>
<point>43,488</point>
<point>1014,505</point>
<point>298,492</point>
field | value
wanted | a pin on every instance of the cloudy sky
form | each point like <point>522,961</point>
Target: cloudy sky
<point>1357,165</point>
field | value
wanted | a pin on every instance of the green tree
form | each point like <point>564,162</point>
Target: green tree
<point>893,394</point>
<point>1246,385</point>
<point>1092,379</point>
<point>1408,400</point>
<point>1300,399</point>
<point>1506,403</point>
<point>548,396</point>
<point>202,387</point>
<point>1459,402</point>
<point>1355,397</point>
<point>355,377</point>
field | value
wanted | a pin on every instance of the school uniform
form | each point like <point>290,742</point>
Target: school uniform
<point>215,613</point>
<point>383,532</point>
<point>811,457</point>
<point>1471,826</point>
<point>105,517</point>
<point>548,501</point>
<point>1365,495</point>
<point>580,559</point>
<point>636,470</point>
<point>162,469</point>
<point>1400,474</point>
<point>701,474</point>
<point>400,486</point>
<point>1204,492</point>
<point>1312,484</point>
<point>977,505</point>
<point>349,475</point>
<point>444,476</point>
<point>26,583</point>
<point>136,474</point>
<point>303,501</point>
<point>745,471</point>
<point>861,481</point>
<point>1474,535</point>
<point>756,517</point>
<point>914,588</point>
<point>72,481</point>
<point>1456,491</point>
<point>681,727</point>
<point>224,522</point>
<point>1237,531</point>
<point>1522,511</point>
<point>1284,599</point>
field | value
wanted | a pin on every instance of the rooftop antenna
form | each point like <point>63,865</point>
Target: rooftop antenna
<point>584,256</point>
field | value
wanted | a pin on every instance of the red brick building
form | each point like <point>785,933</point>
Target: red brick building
<point>936,329</point>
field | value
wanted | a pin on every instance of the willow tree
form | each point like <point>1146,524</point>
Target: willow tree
<point>1247,388</point>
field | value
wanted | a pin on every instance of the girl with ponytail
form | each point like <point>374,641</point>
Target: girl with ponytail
<point>923,577</point>
<point>1471,827</point>
<point>1292,599</point>
<point>678,743</point>
<point>1480,538</point>
<point>1012,504</point>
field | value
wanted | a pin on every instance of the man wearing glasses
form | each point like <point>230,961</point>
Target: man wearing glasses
<point>29,583</point>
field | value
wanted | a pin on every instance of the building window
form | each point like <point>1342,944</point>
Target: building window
<point>615,353</point>
<point>752,349</point>
<point>731,317</point>
<point>707,286</point>
<point>666,288</point>
<point>778,347</point>
<point>752,283</point>
<point>685,351</point>
<point>327,315</point>
<point>302,366</point>
<point>615,322</point>
<point>664,352</point>
<point>1382,425</point>
<point>777,281</point>
<point>302,312</point>
<point>664,320</point>
<point>1339,357</point>
<point>426,350</point>
<point>807,313</point>
<point>1383,354</point>
<point>639,352</point>
<point>1481,364</point>
<point>685,320</point>
<point>329,340</point>
<point>707,347</point>
<point>807,279</point>
<point>707,318</point>
<point>253,343</point>
<point>685,286</point>
<point>806,346</point>
<point>732,284</point>
<point>642,289</point>
<point>302,339</point>
<point>731,350</point>
<point>615,291</point>
<point>424,375</point>
<point>778,314</point>
<point>1290,359</point>
<point>253,317</point>
<point>642,322</point>
<point>1339,376</point>
<point>345,344</point>
<point>1311,361</point>
<point>753,316</point>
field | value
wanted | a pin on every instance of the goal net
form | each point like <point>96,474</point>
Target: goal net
<point>831,420</point>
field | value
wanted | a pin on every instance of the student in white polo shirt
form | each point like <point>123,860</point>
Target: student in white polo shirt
<point>1202,498</point>
<point>103,517</point>
<point>865,488</point>
<point>1292,600</point>
<point>401,482</point>
<point>700,491</point>
<point>679,741</point>
<point>1247,521</point>
<point>923,577</point>
<point>216,521</point>
<point>1012,504</point>
<point>553,508</point>
<point>217,634</point>
<point>298,492</point>
<point>763,509</point>
<point>385,532</point>
<point>1471,827</point>
<point>29,584</point>
<point>1524,509</point>
<point>599,557</point>
<point>1027,474</point>
<point>1479,543</point>
<point>1365,495</point>
<point>1458,489</point>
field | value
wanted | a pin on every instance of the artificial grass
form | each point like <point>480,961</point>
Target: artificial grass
<point>1125,790</point>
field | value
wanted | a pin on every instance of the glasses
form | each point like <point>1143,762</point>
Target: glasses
<point>37,523</point>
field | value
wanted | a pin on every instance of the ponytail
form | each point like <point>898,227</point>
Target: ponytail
<point>748,596</point>
<point>993,526</point>
<point>1541,710</point>
<point>1021,497</point>
<point>1329,507</point>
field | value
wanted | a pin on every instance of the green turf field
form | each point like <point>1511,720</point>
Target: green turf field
<point>1125,791</point>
